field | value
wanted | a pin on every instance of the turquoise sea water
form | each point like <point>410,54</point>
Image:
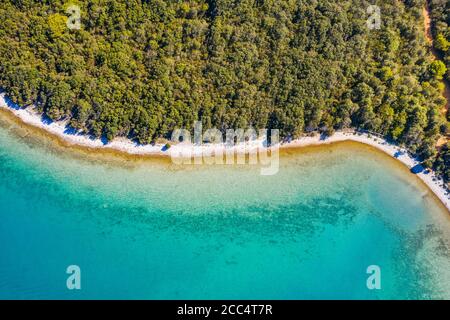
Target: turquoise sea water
<point>156,231</point>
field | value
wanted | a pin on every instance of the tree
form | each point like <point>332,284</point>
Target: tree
<point>140,69</point>
<point>442,43</point>
<point>438,69</point>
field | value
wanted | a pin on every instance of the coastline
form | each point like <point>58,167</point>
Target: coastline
<point>122,145</point>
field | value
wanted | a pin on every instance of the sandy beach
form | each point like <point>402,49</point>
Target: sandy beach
<point>31,117</point>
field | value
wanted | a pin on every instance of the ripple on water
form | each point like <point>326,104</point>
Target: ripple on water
<point>154,231</point>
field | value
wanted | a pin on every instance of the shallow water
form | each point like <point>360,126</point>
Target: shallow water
<point>158,231</point>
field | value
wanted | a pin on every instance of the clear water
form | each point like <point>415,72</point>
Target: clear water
<point>157,231</point>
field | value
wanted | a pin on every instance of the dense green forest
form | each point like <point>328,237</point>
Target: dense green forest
<point>140,68</point>
<point>440,14</point>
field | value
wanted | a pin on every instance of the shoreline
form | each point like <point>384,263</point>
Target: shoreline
<point>122,145</point>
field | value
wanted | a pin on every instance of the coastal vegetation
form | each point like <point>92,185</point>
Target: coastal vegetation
<point>141,68</point>
<point>440,15</point>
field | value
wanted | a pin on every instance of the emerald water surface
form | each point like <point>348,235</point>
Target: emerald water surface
<point>157,231</point>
